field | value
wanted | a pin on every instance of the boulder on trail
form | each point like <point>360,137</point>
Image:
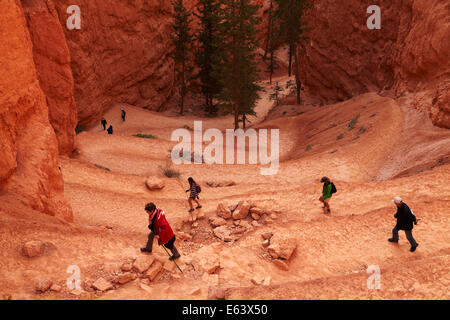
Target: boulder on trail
<point>241,211</point>
<point>44,285</point>
<point>282,247</point>
<point>255,216</point>
<point>217,293</point>
<point>223,212</point>
<point>154,183</point>
<point>125,278</point>
<point>154,270</point>
<point>267,235</point>
<point>217,221</point>
<point>281,264</point>
<point>257,211</point>
<point>142,263</point>
<point>223,233</point>
<point>33,248</point>
<point>102,285</point>
<point>126,266</point>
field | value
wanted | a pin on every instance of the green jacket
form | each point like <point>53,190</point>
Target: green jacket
<point>326,190</point>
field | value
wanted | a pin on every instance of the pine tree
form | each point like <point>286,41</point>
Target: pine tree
<point>182,40</point>
<point>276,93</point>
<point>289,15</point>
<point>208,55</point>
<point>239,70</point>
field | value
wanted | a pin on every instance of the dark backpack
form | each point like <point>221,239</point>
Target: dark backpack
<point>198,189</point>
<point>333,188</point>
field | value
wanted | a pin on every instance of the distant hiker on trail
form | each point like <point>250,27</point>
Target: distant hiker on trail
<point>405,218</point>
<point>195,189</point>
<point>159,226</point>
<point>123,114</point>
<point>327,192</point>
<point>110,130</point>
<point>103,121</point>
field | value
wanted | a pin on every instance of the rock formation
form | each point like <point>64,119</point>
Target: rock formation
<point>121,54</point>
<point>408,54</point>
<point>29,162</point>
<point>52,59</point>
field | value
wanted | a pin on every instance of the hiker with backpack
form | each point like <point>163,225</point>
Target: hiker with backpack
<point>103,122</point>
<point>405,218</point>
<point>123,113</point>
<point>195,189</point>
<point>110,130</point>
<point>159,226</point>
<point>328,189</point>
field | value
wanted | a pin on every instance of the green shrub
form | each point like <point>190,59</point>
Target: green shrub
<point>102,167</point>
<point>339,137</point>
<point>353,122</point>
<point>146,136</point>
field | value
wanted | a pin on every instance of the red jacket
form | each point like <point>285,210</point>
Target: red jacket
<point>161,227</point>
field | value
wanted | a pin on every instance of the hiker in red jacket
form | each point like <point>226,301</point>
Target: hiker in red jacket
<point>161,228</point>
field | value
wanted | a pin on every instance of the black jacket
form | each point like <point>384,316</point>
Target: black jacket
<point>405,218</point>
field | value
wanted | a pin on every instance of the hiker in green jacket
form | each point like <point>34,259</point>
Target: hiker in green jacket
<point>326,194</point>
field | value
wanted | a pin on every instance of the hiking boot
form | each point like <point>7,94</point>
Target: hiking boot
<point>413,248</point>
<point>198,207</point>
<point>146,250</point>
<point>175,254</point>
<point>190,210</point>
<point>392,240</point>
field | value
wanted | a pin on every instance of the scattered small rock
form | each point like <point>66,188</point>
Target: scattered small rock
<point>56,288</point>
<point>153,183</point>
<point>7,297</point>
<point>102,285</point>
<point>242,210</point>
<point>142,263</point>
<point>127,266</point>
<point>125,278</point>
<point>255,216</point>
<point>257,211</point>
<point>44,285</point>
<point>223,212</point>
<point>266,243</point>
<point>223,233</point>
<point>266,235</point>
<point>237,222</point>
<point>32,248</point>
<point>217,221</point>
<point>154,270</point>
<point>281,264</point>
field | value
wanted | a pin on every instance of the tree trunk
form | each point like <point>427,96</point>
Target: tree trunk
<point>269,31</point>
<point>236,116</point>
<point>271,66</point>
<point>290,60</point>
<point>297,73</point>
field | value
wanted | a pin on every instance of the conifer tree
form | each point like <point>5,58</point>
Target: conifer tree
<point>289,16</point>
<point>238,70</point>
<point>182,40</point>
<point>209,55</point>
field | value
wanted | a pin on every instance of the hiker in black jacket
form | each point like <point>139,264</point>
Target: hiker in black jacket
<point>405,219</point>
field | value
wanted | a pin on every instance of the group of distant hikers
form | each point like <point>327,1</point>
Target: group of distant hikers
<point>159,226</point>
<point>110,129</point>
